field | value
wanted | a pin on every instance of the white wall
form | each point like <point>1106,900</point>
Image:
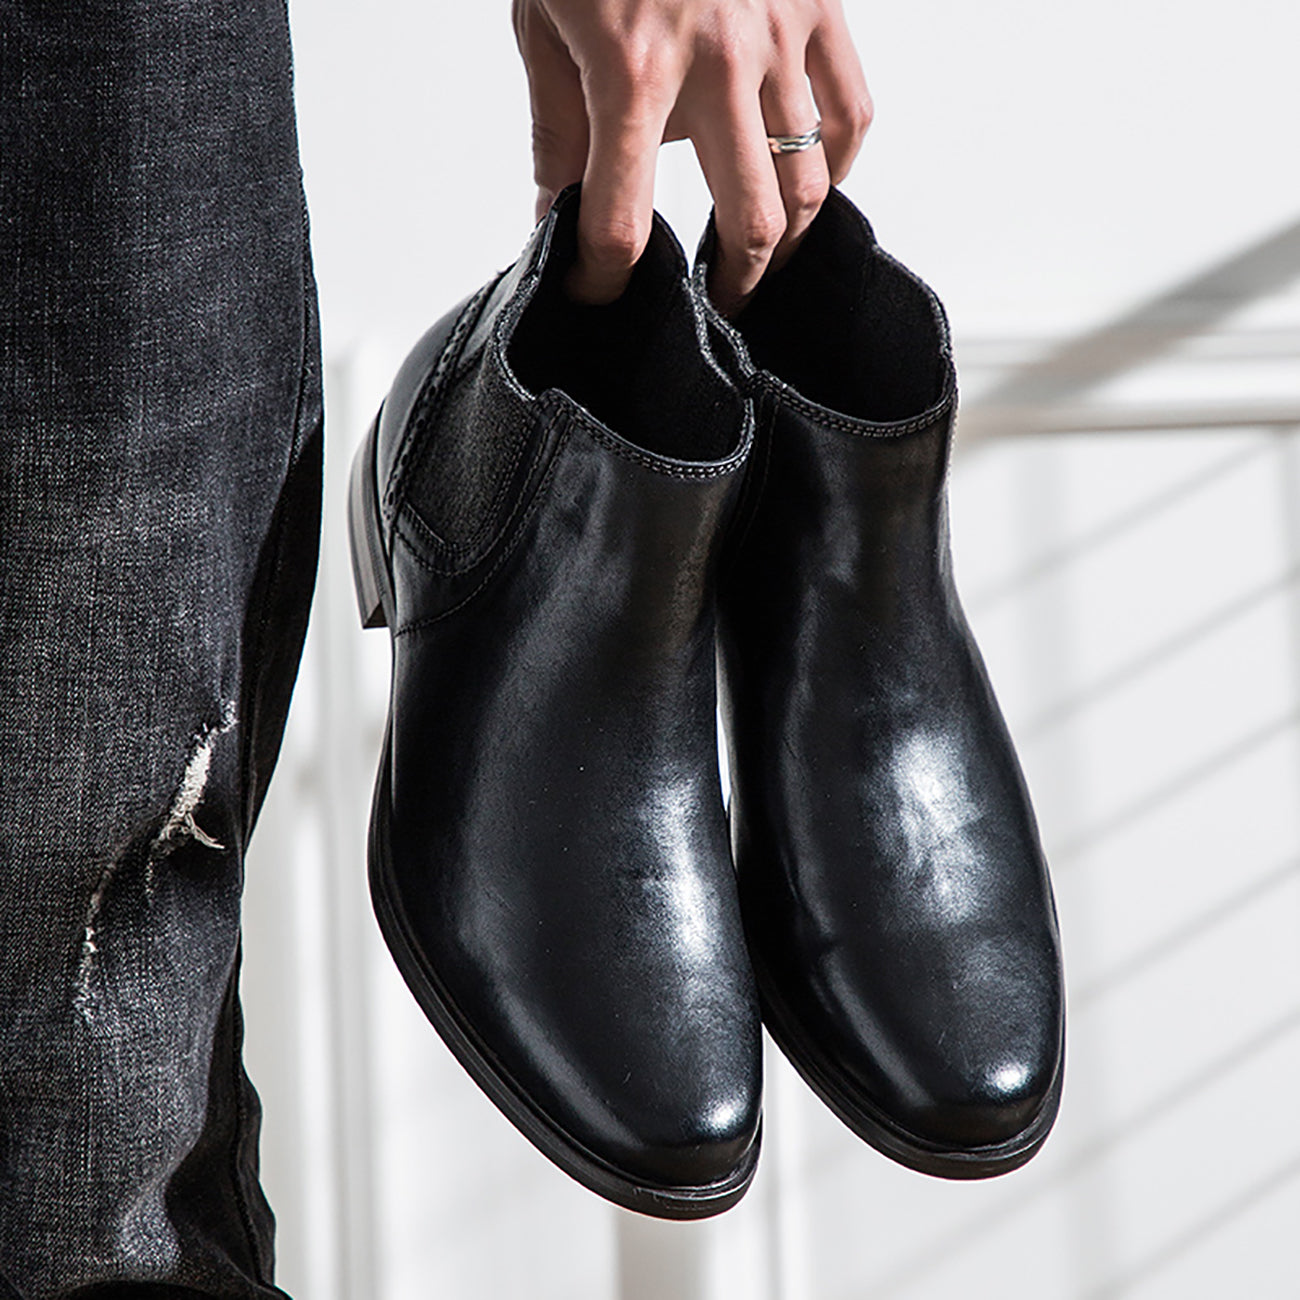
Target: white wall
<point>1046,166</point>
<point>1043,163</point>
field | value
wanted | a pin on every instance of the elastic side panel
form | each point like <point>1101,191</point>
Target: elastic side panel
<point>468,446</point>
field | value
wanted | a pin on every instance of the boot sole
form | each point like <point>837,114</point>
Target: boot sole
<point>375,601</point>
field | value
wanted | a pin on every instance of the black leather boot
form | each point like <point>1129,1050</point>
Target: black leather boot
<point>896,901</point>
<point>536,516</point>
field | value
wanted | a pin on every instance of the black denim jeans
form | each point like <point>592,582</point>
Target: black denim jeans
<point>160,445</point>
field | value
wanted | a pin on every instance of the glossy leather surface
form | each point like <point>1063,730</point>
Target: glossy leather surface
<point>549,847</point>
<point>896,900</point>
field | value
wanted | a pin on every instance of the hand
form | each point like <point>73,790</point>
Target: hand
<point>610,80</point>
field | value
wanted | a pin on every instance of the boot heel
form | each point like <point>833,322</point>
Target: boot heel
<point>369,568</point>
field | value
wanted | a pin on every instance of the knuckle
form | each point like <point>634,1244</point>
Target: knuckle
<point>724,49</point>
<point>859,114</point>
<point>759,234</point>
<point>615,242</point>
<point>631,66</point>
<point>806,196</point>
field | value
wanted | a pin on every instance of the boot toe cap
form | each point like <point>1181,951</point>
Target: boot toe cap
<point>711,1146</point>
<point>987,1108</point>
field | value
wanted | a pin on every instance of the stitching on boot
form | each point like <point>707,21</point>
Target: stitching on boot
<point>792,397</point>
<point>599,434</point>
<point>431,395</point>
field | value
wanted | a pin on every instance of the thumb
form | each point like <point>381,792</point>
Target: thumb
<point>560,133</point>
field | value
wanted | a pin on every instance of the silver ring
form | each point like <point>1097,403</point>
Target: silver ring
<point>795,143</point>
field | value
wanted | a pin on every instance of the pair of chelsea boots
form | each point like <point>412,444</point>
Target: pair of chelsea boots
<point>576,522</point>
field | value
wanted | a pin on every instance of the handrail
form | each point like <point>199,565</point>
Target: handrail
<point>983,423</point>
<point>1040,395</point>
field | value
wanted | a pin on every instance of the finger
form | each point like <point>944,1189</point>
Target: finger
<point>560,136</point>
<point>731,143</point>
<point>627,108</point>
<point>841,92</point>
<point>803,177</point>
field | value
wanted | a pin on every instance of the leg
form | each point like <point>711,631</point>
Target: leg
<point>159,510</point>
